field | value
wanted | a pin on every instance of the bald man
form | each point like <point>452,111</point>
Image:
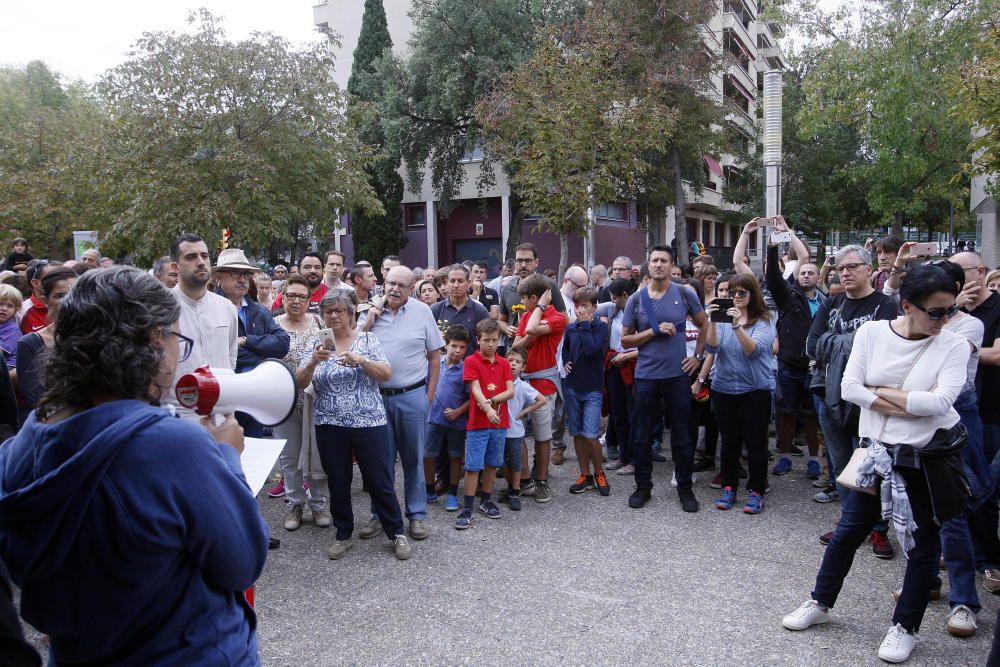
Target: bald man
<point>985,305</point>
<point>412,343</point>
<point>574,278</point>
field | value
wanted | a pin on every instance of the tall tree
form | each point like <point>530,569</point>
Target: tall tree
<point>375,235</point>
<point>572,127</point>
<point>426,103</point>
<point>977,89</point>
<point>48,183</point>
<point>209,134</point>
<point>879,70</point>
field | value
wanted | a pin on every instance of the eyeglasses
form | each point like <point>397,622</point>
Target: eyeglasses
<point>246,275</point>
<point>853,266</point>
<point>524,260</point>
<point>184,343</point>
<point>739,293</point>
<point>33,273</point>
<point>575,285</point>
<point>339,312</point>
<point>392,283</point>
<point>296,297</point>
<point>935,314</point>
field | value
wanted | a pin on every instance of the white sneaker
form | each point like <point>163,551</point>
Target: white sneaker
<point>673,479</point>
<point>808,614</point>
<point>961,622</point>
<point>897,645</point>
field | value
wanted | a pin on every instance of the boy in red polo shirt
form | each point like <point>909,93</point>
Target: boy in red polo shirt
<point>539,333</point>
<point>491,385</point>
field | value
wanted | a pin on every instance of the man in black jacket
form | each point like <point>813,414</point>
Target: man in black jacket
<point>798,302</point>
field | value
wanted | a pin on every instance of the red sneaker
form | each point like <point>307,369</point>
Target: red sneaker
<point>278,490</point>
<point>881,546</point>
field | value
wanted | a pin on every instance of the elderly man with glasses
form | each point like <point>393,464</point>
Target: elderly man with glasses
<point>409,335</point>
<point>829,345</point>
<point>621,269</point>
<point>574,278</point>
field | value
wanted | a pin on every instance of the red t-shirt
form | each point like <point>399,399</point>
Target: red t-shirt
<point>35,317</point>
<point>542,350</point>
<point>314,298</point>
<point>493,377</point>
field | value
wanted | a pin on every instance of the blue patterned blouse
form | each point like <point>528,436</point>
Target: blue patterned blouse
<point>346,395</point>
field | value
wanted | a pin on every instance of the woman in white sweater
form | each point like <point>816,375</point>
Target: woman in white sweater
<point>905,374</point>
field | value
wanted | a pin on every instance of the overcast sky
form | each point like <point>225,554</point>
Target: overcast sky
<point>83,38</point>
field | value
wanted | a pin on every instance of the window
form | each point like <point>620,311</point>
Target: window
<point>612,211</point>
<point>692,225</point>
<point>416,216</point>
<point>706,233</point>
<point>720,235</point>
<point>475,155</point>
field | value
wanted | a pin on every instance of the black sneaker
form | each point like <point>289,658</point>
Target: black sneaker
<point>659,458</point>
<point>688,502</point>
<point>514,502</point>
<point>702,464</point>
<point>639,498</point>
<point>582,483</point>
<point>490,509</point>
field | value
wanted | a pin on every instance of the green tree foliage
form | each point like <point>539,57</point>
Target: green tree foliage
<point>48,181</point>
<point>426,103</point>
<point>208,133</point>
<point>375,235</point>
<point>977,89</point>
<point>572,126</point>
<point>818,194</point>
<point>880,70</point>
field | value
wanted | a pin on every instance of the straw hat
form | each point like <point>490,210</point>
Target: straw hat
<point>233,258</point>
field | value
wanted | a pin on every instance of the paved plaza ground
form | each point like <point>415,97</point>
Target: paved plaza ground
<point>586,580</point>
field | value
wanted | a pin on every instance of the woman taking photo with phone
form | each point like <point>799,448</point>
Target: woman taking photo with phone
<point>905,374</point>
<point>742,385</point>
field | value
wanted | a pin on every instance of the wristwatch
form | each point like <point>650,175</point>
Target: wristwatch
<point>737,327</point>
<point>700,357</point>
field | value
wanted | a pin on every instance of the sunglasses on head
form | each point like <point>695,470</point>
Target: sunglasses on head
<point>935,314</point>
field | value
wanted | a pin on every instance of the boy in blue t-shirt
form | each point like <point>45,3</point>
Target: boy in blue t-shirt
<point>526,400</point>
<point>446,419</point>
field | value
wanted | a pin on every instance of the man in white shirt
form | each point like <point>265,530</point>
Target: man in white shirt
<point>333,266</point>
<point>208,319</point>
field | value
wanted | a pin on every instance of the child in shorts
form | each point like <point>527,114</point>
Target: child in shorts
<point>446,419</point>
<point>491,385</point>
<point>525,401</point>
<point>584,349</point>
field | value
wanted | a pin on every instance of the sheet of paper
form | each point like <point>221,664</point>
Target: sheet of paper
<point>258,458</point>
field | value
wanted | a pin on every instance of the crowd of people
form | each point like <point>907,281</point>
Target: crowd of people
<point>877,369</point>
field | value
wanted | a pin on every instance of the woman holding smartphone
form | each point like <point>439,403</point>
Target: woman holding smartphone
<point>742,387</point>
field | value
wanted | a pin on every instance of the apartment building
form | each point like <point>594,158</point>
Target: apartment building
<point>479,225</point>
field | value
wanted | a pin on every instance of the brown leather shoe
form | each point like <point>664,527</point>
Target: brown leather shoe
<point>558,458</point>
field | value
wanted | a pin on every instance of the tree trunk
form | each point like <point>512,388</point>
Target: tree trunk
<point>563,256</point>
<point>680,211</point>
<point>897,225</point>
<point>516,226</point>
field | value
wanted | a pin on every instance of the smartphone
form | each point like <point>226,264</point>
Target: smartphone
<point>721,315</point>
<point>326,338</point>
<point>780,237</point>
<point>923,249</point>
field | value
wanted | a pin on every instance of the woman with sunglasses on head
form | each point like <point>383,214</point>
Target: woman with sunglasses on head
<point>119,560</point>
<point>742,385</point>
<point>905,375</point>
<point>303,328</point>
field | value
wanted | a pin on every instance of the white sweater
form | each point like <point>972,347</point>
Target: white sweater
<point>881,358</point>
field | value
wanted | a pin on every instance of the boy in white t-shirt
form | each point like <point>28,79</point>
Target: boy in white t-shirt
<point>526,400</point>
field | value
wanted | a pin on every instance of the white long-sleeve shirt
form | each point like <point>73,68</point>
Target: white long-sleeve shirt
<point>881,357</point>
<point>212,323</point>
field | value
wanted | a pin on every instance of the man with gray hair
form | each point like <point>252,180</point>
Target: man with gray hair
<point>599,277</point>
<point>621,268</point>
<point>829,345</point>
<point>412,343</point>
<point>165,270</point>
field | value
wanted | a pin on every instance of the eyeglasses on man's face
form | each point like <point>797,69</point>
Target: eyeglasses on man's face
<point>850,267</point>
<point>293,296</point>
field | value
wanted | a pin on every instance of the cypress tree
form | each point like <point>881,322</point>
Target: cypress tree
<point>375,236</point>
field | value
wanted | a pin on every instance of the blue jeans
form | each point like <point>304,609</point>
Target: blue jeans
<point>959,559</point>
<point>653,400</point>
<point>377,462</point>
<point>407,417</point>
<point>859,514</point>
<point>583,412</point>
<point>983,522</point>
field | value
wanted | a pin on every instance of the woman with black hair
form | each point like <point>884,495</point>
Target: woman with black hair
<point>905,374</point>
<point>742,387</point>
<point>118,560</point>
<point>32,347</point>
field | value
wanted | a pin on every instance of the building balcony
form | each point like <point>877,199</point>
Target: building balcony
<point>709,199</point>
<point>733,22</point>
<point>743,121</point>
<point>743,77</point>
<point>774,57</point>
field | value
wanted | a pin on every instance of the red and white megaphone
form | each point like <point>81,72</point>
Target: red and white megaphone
<point>267,393</point>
